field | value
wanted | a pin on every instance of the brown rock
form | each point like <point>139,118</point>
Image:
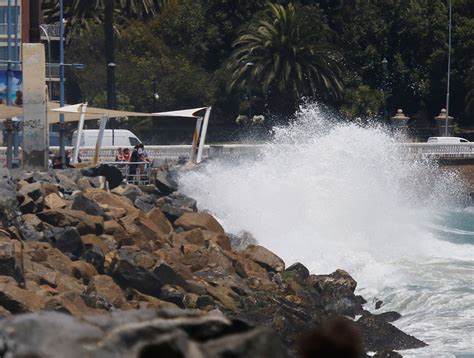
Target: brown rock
<point>17,300</point>
<point>44,275</point>
<point>68,283</point>
<point>264,257</point>
<point>70,302</point>
<point>113,228</point>
<point>86,224</point>
<point>33,221</point>
<point>145,301</point>
<point>195,257</point>
<point>112,201</point>
<point>194,237</point>
<point>217,239</point>
<point>226,296</point>
<point>94,240</point>
<point>54,201</point>
<point>189,221</point>
<point>160,220</point>
<point>104,286</point>
<point>84,271</point>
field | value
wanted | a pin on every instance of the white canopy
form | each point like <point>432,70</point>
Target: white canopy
<point>74,112</point>
<point>188,113</point>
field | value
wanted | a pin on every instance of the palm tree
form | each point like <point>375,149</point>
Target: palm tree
<point>277,54</point>
<point>79,10</point>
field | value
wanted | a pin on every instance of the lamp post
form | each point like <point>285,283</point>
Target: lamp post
<point>249,90</point>
<point>61,79</point>
<point>449,69</point>
<point>385,71</point>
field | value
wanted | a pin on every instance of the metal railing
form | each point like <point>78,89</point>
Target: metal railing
<point>52,30</point>
<point>410,150</point>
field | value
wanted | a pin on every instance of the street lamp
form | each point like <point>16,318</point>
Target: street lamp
<point>385,71</point>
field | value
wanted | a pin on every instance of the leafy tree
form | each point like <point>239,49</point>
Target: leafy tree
<point>276,54</point>
<point>363,102</point>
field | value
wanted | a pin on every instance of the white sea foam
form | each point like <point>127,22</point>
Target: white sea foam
<point>342,195</point>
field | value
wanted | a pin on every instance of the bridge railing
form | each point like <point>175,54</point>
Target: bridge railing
<point>411,150</point>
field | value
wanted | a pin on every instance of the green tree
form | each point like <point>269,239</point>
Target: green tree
<point>277,56</point>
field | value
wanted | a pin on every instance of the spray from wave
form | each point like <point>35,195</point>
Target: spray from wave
<point>334,195</point>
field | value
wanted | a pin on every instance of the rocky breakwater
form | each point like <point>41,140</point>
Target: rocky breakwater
<point>138,271</point>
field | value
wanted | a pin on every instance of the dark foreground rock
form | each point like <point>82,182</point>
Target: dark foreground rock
<point>68,246</point>
<point>145,333</point>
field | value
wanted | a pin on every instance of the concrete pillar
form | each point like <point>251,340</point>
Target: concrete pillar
<point>400,121</point>
<point>441,123</point>
<point>35,125</point>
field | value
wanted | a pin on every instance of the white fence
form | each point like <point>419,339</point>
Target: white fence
<point>413,151</point>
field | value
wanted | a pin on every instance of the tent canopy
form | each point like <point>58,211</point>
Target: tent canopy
<point>72,113</point>
<point>187,113</point>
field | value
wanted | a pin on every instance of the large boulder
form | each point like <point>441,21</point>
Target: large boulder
<point>379,335</point>
<point>105,287</point>
<point>112,174</point>
<point>264,257</point>
<point>87,205</point>
<point>189,221</point>
<point>86,224</point>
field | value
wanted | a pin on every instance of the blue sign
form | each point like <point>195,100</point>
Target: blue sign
<point>16,84</point>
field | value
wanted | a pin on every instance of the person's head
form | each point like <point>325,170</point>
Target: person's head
<point>119,150</point>
<point>126,151</point>
<point>137,146</point>
<point>141,146</point>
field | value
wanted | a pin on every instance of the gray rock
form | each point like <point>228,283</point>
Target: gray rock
<point>68,240</point>
<point>145,203</point>
<point>86,205</point>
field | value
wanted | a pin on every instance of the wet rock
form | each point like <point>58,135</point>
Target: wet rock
<point>87,205</point>
<point>298,271</point>
<point>378,335</point>
<point>165,182</point>
<point>264,257</point>
<point>390,316</point>
<point>387,354</point>
<point>241,241</point>
<point>189,221</point>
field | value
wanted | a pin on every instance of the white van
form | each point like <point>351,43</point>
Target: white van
<point>447,140</point>
<point>112,137</point>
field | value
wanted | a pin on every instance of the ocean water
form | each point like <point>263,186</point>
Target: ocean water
<point>341,195</point>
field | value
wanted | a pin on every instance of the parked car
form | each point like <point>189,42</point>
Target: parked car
<point>447,140</point>
<point>112,137</point>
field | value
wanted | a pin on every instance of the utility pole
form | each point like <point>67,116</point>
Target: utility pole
<point>449,69</point>
<point>62,152</point>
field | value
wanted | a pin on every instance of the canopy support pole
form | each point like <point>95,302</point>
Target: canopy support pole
<point>98,145</point>
<point>197,130</point>
<point>203,134</point>
<point>79,133</point>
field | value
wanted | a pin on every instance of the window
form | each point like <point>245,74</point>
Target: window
<point>133,141</point>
